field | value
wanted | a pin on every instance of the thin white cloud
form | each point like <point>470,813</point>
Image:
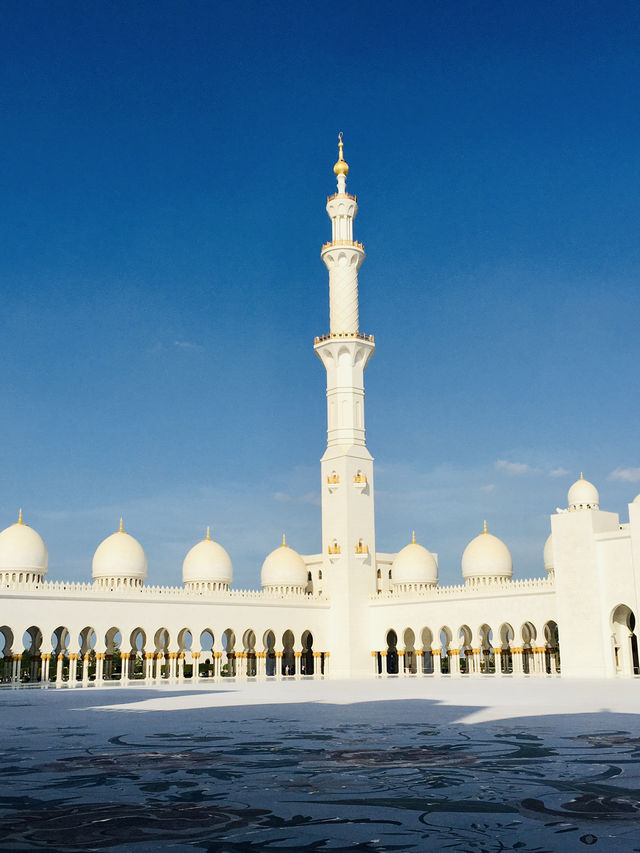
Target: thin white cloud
<point>281,497</point>
<point>488,488</point>
<point>514,469</point>
<point>558,472</point>
<point>625,475</point>
<point>188,345</point>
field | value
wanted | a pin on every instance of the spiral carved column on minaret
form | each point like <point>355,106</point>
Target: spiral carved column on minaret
<point>343,299</point>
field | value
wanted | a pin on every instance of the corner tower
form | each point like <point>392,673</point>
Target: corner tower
<point>348,527</point>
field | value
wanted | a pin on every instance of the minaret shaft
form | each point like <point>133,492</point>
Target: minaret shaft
<point>348,527</point>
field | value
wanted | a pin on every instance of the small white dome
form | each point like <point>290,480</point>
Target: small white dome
<point>414,564</point>
<point>120,556</point>
<point>207,562</point>
<point>636,500</point>
<point>583,495</point>
<point>23,549</point>
<point>547,554</point>
<point>486,556</point>
<point>284,567</point>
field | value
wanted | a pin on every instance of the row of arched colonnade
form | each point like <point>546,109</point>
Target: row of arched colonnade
<point>528,651</point>
<point>141,658</point>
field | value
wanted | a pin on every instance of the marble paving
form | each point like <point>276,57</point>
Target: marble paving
<point>212,768</point>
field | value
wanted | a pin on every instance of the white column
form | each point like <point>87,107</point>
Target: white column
<point>401,671</point>
<point>73,669</point>
<point>85,669</point>
<point>59,665</point>
<point>497,657</point>
<point>437,662</point>
<point>196,663</point>
<point>374,661</point>
<point>327,669</point>
<point>99,667</point>
<point>124,667</point>
<point>454,662</point>
<point>477,659</point>
<point>44,670</point>
<point>298,659</point>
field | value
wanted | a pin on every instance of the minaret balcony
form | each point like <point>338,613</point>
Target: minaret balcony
<point>362,551</point>
<point>360,481</point>
<point>352,244</point>
<point>342,195</point>
<point>334,551</point>
<point>333,482</point>
<point>360,336</point>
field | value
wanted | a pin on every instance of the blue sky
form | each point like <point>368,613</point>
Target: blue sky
<point>163,176</point>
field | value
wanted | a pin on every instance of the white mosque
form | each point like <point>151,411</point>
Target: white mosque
<point>348,611</point>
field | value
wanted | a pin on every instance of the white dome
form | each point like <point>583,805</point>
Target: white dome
<point>120,556</point>
<point>207,562</point>
<point>486,556</point>
<point>547,554</point>
<point>636,500</point>
<point>414,565</point>
<point>284,567</point>
<point>22,549</point>
<point>583,495</point>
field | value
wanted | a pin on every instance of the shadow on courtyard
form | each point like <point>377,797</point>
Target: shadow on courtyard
<point>381,775</point>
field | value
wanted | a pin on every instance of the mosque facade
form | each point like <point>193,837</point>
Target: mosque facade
<point>349,611</point>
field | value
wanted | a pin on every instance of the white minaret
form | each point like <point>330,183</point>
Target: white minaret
<point>348,527</point>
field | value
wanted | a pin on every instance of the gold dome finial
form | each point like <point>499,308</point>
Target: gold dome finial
<point>413,537</point>
<point>208,536</point>
<point>341,167</point>
<point>484,529</point>
<point>20,521</point>
<point>581,477</point>
<point>284,541</point>
<point>121,530</point>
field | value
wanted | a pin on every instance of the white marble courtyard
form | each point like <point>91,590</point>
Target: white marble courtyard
<point>395,764</point>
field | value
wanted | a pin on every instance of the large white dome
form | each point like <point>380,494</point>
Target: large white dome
<point>207,563</point>
<point>547,554</point>
<point>486,556</point>
<point>120,556</point>
<point>22,549</point>
<point>583,495</point>
<point>414,565</point>
<point>284,568</point>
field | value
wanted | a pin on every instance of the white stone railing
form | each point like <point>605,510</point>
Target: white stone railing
<point>77,588</point>
<point>512,587</point>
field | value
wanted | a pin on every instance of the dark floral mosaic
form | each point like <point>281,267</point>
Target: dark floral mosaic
<point>383,776</point>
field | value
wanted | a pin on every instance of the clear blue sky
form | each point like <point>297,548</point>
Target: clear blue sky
<point>163,177</point>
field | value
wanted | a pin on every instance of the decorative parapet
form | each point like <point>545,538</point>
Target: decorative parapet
<point>342,195</point>
<point>350,244</point>
<point>177,593</point>
<point>334,335</point>
<point>504,587</point>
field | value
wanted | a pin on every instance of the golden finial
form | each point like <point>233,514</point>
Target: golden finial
<point>208,536</point>
<point>284,541</point>
<point>581,477</point>
<point>121,530</point>
<point>20,521</point>
<point>484,530</point>
<point>413,537</point>
<point>341,168</point>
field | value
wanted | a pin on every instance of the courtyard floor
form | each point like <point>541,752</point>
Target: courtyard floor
<point>468,764</point>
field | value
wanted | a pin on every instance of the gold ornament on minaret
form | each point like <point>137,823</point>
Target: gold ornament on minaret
<point>341,167</point>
